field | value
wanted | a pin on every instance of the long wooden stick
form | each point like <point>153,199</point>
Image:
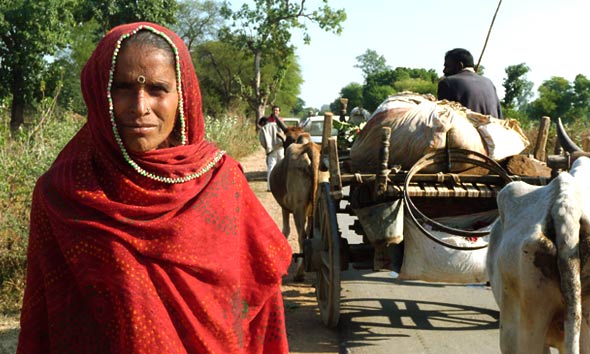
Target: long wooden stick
<point>488,36</point>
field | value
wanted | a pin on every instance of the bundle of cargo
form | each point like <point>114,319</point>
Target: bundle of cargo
<point>420,125</point>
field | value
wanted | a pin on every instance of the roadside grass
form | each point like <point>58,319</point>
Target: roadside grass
<point>28,154</point>
<point>24,158</point>
<point>234,135</point>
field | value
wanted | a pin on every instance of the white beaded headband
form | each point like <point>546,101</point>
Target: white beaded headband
<point>183,139</point>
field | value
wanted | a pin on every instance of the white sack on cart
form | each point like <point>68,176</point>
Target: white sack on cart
<point>419,125</point>
<point>429,261</point>
<point>502,137</point>
<point>383,223</point>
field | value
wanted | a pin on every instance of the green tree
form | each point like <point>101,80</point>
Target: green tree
<point>371,63</point>
<point>379,86</point>
<point>353,92</point>
<point>287,96</point>
<point>109,14</point>
<point>517,89</point>
<point>29,31</point>
<point>264,31</point>
<point>198,21</point>
<point>374,95</point>
<point>298,109</point>
<point>222,68</point>
<point>581,100</point>
<point>69,63</point>
<point>555,100</point>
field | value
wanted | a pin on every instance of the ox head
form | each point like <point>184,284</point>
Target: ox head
<point>292,135</point>
<point>295,135</point>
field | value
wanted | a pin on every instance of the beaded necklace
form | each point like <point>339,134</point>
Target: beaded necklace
<point>183,138</point>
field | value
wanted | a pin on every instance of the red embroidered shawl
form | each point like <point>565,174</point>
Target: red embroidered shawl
<point>121,263</point>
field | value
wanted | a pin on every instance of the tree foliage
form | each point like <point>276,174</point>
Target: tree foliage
<point>222,68</point>
<point>198,21</point>
<point>32,31</point>
<point>380,85</point>
<point>371,63</point>
<point>517,89</point>
<point>555,99</point>
<point>354,93</point>
<point>287,96</point>
<point>29,31</point>
<point>109,14</point>
<point>66,68</point>
<point>581,99</point>
<point>219,68</point>
<point>264,31</point>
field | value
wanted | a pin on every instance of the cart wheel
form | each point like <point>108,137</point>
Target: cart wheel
<point>325,227</point>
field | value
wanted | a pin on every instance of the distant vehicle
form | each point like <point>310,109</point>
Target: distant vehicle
<point>291,122</point>
<point>314,125</point>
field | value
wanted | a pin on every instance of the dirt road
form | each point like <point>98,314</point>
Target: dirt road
<point>305,330</point>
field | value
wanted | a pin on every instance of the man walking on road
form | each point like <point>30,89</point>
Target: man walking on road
<point>269,136</point>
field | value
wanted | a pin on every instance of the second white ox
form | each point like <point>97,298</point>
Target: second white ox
<point>293,183</point>
<point>538,264</point>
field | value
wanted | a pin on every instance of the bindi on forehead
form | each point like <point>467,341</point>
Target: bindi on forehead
<point>144,67</point>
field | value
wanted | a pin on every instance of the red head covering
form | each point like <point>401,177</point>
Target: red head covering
<point>165,251</point>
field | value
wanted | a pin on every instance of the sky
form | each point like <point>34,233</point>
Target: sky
<point>551,37</point>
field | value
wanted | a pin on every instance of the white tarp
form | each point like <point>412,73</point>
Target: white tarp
<point>420,125</point>
<point>429,261</point>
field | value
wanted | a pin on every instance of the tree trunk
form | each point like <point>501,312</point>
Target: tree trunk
<point>259,99</point>
<point>18,101</point>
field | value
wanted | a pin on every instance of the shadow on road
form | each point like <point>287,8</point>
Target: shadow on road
<point>406,317</point>
<point>305,330</point>
<point>422,315</point>
<point>387,310</point>
<point>256,176</point>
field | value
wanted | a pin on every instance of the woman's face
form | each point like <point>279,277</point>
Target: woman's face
<point>145,97</point>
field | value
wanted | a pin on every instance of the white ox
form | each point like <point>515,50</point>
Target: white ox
<point>537,264</point>
<point>293,183</point>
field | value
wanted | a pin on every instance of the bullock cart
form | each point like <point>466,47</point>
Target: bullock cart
<point>425,197</point>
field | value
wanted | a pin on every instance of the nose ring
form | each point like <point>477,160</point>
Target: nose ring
<point>148,110</point>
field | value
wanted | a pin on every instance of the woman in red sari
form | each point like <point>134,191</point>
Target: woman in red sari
<point>145,238</point>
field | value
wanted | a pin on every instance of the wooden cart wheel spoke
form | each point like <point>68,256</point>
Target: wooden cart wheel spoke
<point>325,262</point>
<point>328,277</point>
<point>325,273</point>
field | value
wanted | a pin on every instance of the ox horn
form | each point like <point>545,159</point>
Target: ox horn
<point>564,140</point>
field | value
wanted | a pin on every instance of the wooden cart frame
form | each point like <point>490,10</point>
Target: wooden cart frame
<point>326,253</point>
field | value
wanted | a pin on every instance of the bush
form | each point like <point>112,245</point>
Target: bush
<point>237,137</point>
<point>24,158</point>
